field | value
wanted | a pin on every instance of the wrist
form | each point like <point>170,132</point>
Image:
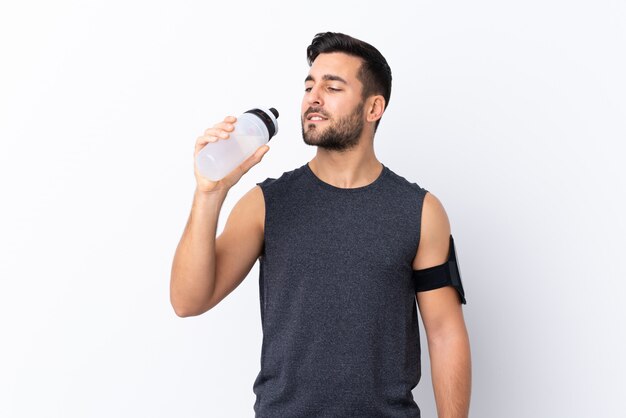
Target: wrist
<point>211,195</point>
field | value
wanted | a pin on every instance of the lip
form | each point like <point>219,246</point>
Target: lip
<point>310,117</point>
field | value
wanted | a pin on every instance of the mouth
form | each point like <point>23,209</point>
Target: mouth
<point>315,117</point>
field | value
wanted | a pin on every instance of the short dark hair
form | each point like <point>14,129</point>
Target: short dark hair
<point>374,74</point>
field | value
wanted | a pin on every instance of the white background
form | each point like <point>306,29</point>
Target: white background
<point>512,113</point>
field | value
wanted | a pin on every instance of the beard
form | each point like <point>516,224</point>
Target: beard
<point>339,135</point>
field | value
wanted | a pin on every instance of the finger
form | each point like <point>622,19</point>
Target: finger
<point>234,176</point>
<point>218,133</point>
<point>225,126</point>
<point>221,131</point>
<point>255,158</point>
<point>263,149</point>
<point>205,139</point>
<point>230,119</point>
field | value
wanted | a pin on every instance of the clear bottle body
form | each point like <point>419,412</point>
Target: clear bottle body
<point>219,158</point>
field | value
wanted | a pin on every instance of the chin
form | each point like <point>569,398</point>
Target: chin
<point>311,134</point>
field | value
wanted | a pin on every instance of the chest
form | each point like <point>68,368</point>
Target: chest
<point>359,232</point>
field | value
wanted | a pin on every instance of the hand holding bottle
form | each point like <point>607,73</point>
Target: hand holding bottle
<point>221,132</point>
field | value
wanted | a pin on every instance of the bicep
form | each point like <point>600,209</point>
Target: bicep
<point>434,234</point>
<point>439,308</point>
<point>239,245</point>
<point>441,311</point>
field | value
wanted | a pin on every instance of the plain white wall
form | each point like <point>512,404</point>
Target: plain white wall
<point>512,113</point>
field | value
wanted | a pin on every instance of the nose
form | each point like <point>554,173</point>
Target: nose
<point>313,97</point>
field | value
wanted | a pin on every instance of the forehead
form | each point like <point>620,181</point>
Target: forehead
<point>335,63</point>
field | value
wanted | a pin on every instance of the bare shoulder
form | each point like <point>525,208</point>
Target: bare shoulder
<point>253,197</point>
<point>249,210</point>
<point>434,234</point>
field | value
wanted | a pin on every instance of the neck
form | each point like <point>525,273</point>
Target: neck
<point>356,167</point>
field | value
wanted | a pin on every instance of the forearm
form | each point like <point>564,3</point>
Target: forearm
<point>451,374</point>
<point>193,269</point>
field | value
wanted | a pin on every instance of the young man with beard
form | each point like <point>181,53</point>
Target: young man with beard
<point>346,246</point>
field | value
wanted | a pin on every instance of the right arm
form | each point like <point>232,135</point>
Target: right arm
<point>205,269</point>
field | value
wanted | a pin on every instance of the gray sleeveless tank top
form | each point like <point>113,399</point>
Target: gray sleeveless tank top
<point>338,309</point>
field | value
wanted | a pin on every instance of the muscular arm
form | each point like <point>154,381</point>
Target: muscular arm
<point>205,269</point>
<point>448,342</point>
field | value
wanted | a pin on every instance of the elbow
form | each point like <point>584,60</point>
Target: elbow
<point>442,340</point>
<point>185,310</point>
<point>182,308</point>
<point>186,301</point>
<point>447,332</point>
<point>181,312</point>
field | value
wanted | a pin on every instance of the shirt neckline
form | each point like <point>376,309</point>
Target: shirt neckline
<point>329,186</point>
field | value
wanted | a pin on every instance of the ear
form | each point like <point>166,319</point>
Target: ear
<point>375,108</point>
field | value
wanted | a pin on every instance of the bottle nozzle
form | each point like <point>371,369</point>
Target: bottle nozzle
<point>274,111</point>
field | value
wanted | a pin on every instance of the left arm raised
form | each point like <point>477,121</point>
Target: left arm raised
<point>448,341</point>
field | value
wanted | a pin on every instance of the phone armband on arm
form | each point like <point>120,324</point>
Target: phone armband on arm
<point>446,274</point>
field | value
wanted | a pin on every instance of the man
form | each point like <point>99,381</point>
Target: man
<point>346,247</point>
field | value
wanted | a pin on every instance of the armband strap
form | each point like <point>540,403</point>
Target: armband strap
<point>446,274</point>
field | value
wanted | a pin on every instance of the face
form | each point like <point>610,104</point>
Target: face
<point>332,106</point>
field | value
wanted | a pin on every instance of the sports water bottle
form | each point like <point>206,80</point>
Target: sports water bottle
<point>252,129</point>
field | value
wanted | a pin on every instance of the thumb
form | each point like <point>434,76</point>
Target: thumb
<point>234,176</point>
<point>255,158</point>
<point>262,150</point>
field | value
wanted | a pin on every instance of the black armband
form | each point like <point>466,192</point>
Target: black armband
<point>446,274</point>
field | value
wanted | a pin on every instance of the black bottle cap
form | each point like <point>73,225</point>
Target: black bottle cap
<point>267,120</point>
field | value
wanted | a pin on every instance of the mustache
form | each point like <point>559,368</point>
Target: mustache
<point>315,110</point>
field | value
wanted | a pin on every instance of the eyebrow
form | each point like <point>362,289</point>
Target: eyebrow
<point>326,77</point>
